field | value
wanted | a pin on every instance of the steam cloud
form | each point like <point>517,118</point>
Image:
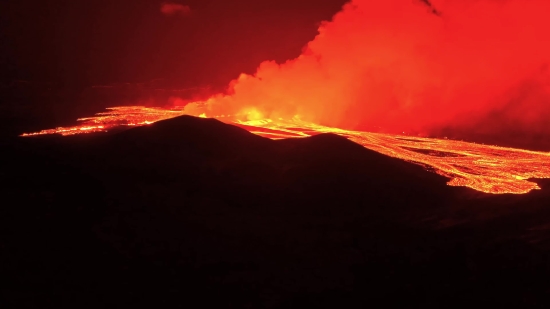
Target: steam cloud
<point>409,65</point>
<point>169,8</point>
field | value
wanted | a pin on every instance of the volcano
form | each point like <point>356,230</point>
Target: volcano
<point>190,210</point>
<point>252,155</point>
<point>489,169</point>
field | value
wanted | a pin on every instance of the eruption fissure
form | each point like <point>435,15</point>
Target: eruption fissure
<point>405,66</point>
<point>489,169</point>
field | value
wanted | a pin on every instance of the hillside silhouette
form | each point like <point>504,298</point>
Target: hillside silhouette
<point>197,213</point>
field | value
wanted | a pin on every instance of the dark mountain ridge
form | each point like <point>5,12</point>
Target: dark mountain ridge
<point>197,213</point>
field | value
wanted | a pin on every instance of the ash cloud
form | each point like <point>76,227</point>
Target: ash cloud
<point>410,65</point>
<point>174,9</point>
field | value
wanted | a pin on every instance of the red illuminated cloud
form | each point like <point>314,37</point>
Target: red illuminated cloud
<point>410,65</point>
<point>170,9</point>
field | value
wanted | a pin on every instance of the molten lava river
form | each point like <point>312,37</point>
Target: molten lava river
<point>489,169</point>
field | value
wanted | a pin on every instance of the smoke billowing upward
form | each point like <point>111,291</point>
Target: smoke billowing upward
<point>409,65</point>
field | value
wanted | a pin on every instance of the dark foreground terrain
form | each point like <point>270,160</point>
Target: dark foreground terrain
<point>193,213</point>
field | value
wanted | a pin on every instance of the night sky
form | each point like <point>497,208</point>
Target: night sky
<point>103,41</point>
<point>54,52</point>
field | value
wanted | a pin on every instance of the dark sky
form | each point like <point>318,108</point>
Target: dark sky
<point>106,41</point>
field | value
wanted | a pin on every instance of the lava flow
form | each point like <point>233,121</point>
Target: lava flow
<point>489,169</point>
<point>114,117</point>
<point>419,66</point>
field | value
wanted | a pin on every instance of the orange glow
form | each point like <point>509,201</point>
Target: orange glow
<point>488,169</point>
<point>400,66</point>
<point>397,66</point>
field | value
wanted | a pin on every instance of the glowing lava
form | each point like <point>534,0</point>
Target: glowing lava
<point>115,117</point>
<point>423,66</point>
<point>489,169</point>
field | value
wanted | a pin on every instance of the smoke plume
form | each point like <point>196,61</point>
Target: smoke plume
<point>409,65</point>
<point>170,9</point>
